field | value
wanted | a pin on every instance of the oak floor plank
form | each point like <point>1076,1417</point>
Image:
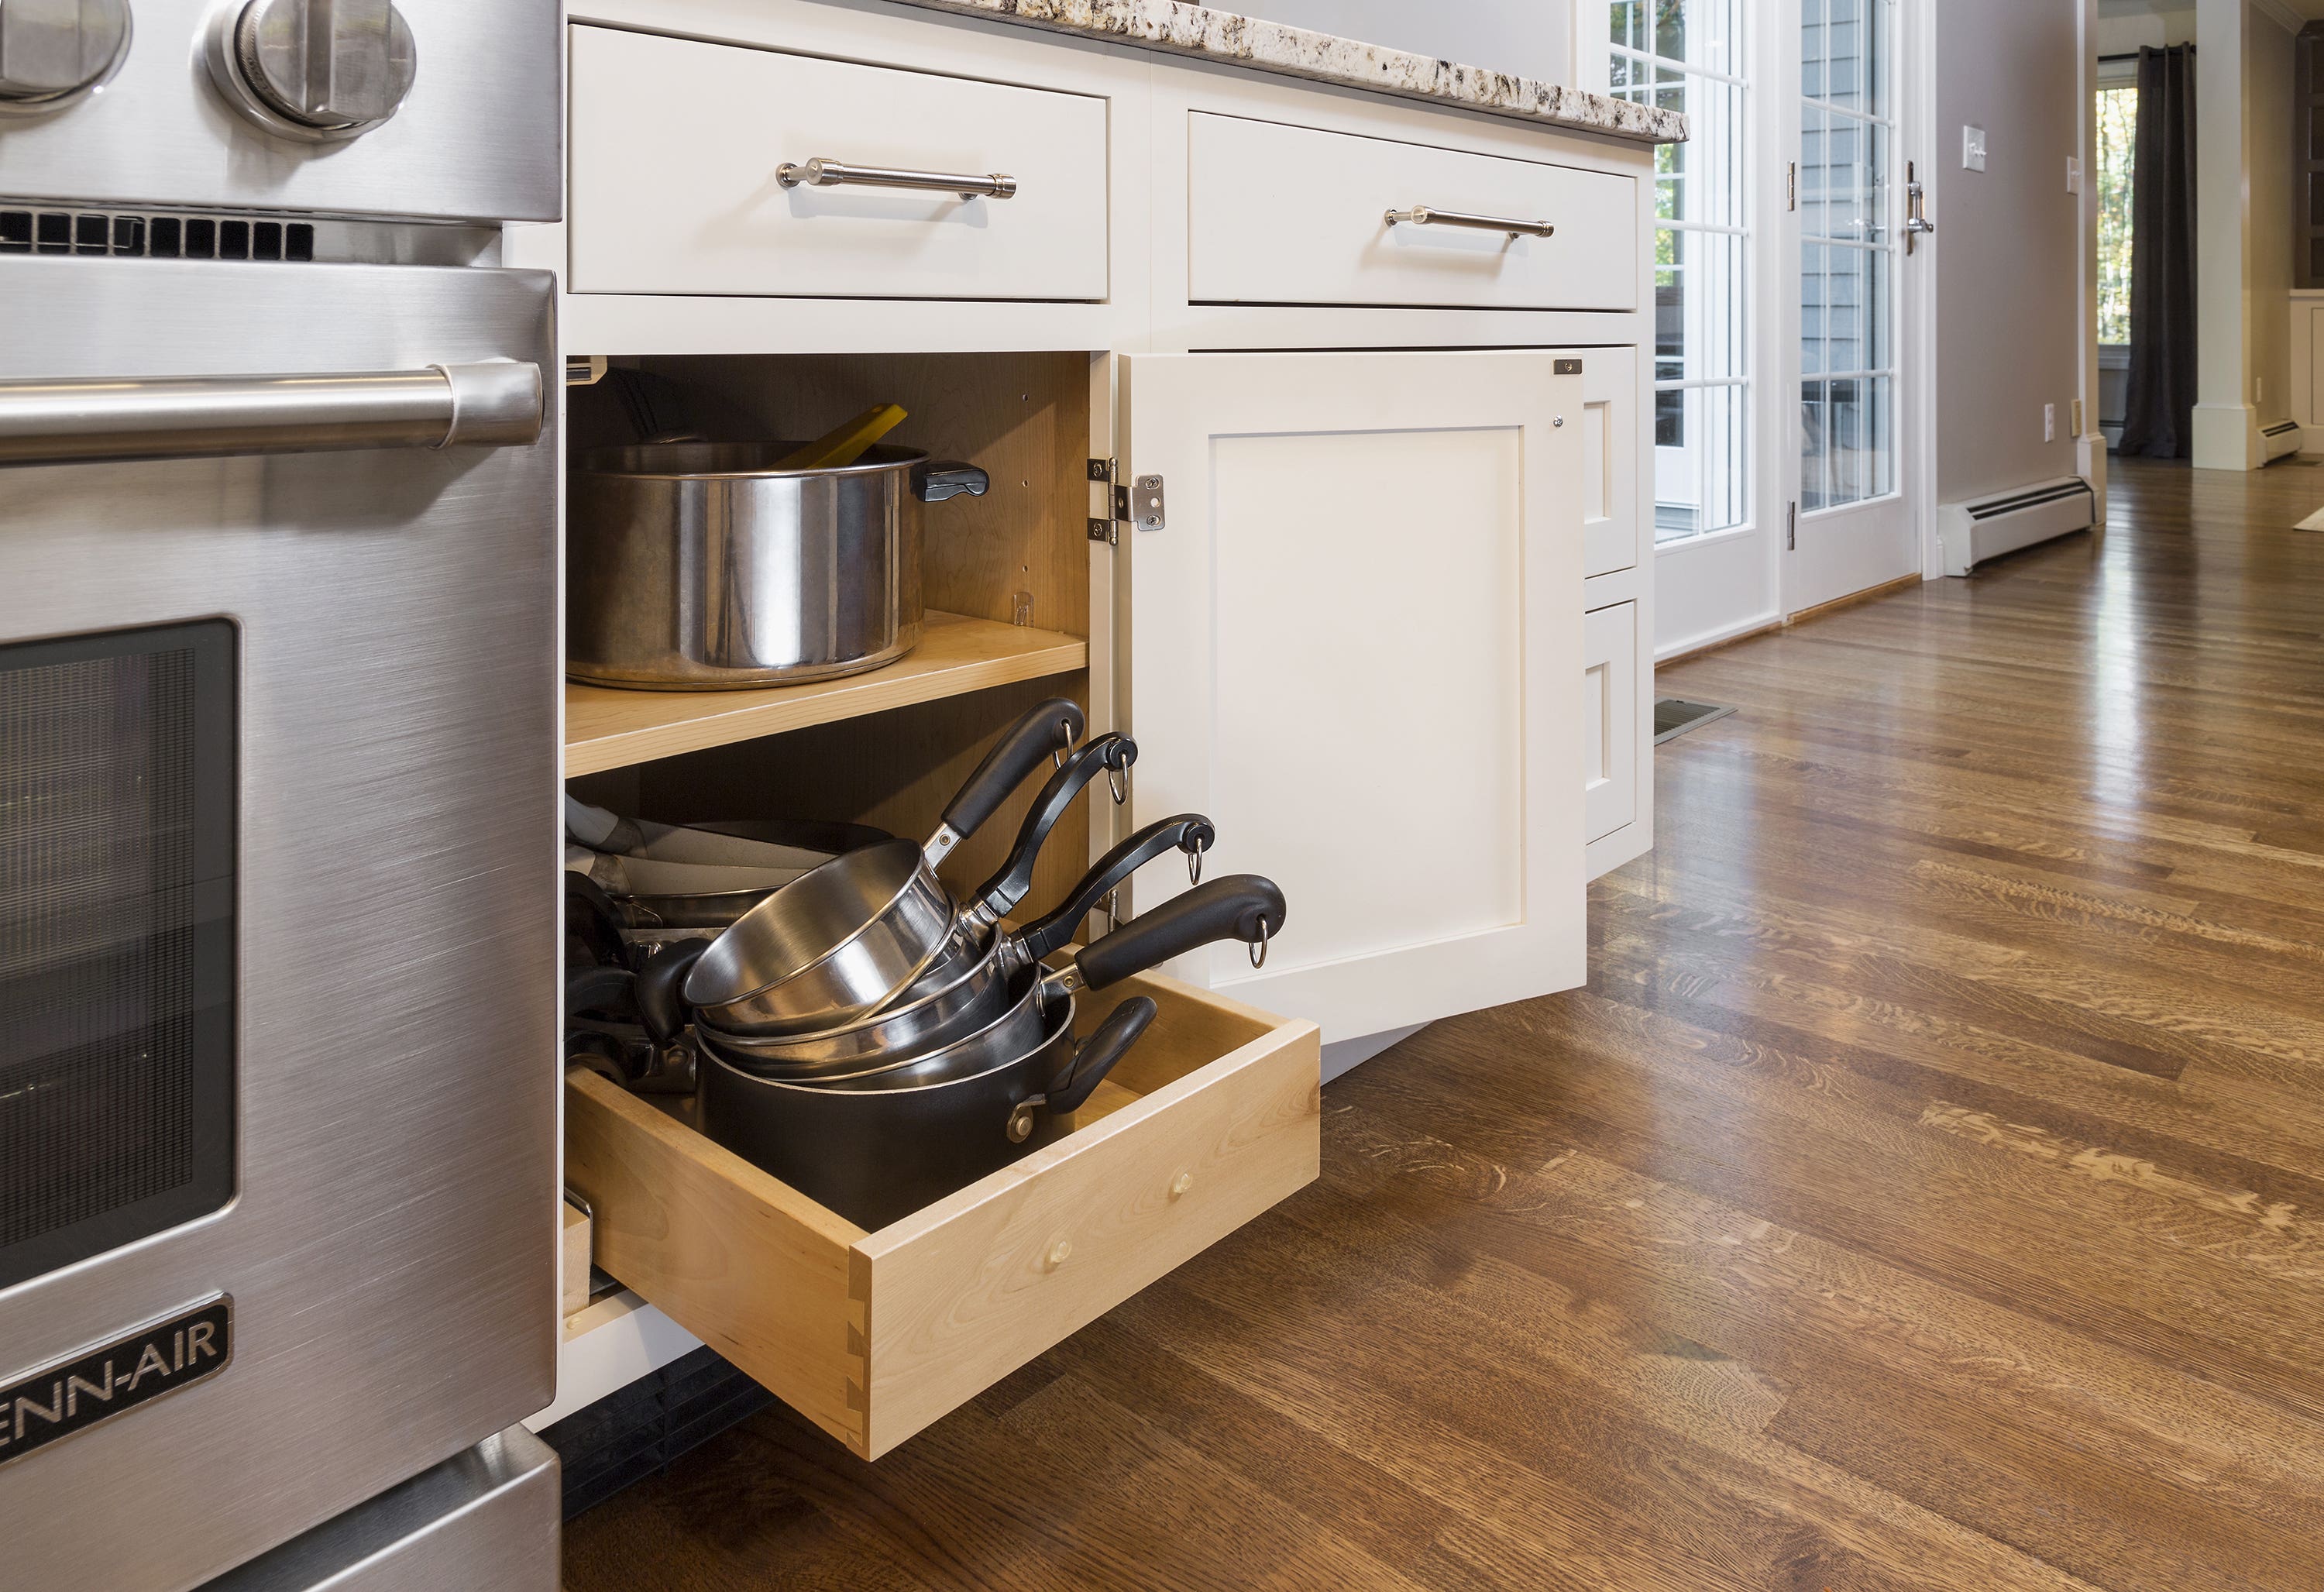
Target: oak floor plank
<point>1927,1192</point>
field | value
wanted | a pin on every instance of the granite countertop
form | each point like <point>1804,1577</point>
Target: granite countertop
<point>1298,52</point>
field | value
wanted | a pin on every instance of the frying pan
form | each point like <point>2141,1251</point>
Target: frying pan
<point>940,1011</point>
<point>844,938</point>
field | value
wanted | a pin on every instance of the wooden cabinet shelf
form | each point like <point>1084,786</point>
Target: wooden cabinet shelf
<point>607,729</point>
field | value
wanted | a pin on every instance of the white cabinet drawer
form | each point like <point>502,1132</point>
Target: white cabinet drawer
<point>1284,214</point>
<point>1609,718</point>
<point>676,144</point>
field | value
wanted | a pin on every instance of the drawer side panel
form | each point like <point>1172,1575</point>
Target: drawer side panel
<point>749,1266</point>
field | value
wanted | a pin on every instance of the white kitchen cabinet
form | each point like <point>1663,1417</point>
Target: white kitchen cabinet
<point>1354,642</point>
<point>1390,633</point>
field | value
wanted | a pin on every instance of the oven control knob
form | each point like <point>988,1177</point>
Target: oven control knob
<point>51,50</point>
<point>329,68</point>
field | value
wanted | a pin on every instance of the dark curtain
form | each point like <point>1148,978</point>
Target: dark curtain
<point>2158,420</point>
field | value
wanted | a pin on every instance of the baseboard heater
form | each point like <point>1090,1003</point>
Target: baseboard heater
<point>2280,439</point>
<point>1987,527</point>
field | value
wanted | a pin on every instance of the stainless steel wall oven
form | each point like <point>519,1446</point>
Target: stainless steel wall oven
<point>278,688</point>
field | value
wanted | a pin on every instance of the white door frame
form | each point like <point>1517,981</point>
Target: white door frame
<point>1916,128</point>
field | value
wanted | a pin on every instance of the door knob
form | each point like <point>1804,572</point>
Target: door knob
<point>53,51</point>
<point>314,68</point>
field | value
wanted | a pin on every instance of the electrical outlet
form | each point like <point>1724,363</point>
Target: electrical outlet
<point>2049,422</point>
<point>2073,174</point>
<point>1972,148</point>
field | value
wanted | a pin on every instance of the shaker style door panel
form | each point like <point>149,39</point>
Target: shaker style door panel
<point>1355,643</point>
<point>1612,533</point>
<point>676,146</point>
<point>1609,736</point>
<point>1285,215</point>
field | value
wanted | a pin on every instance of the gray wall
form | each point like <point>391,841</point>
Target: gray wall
<point>1532,38</point>
<point>2008,331</point>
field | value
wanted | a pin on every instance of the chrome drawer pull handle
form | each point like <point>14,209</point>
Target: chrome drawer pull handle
<point>65,420</point>
<point>822,172</point>
<point>1422,215</point>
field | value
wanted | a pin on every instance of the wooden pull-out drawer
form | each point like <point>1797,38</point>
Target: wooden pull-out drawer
<point>1214,1116</point>
<point>677,145</point>
<point>1284,214</point>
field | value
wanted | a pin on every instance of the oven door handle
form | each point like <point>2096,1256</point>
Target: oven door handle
<point>494,403</point>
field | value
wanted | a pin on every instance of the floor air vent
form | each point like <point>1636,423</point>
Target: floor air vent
<point>154,237</point>
<point>1675,716</point>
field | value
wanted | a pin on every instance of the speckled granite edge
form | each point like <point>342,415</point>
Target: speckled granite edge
<point>1298,52</point>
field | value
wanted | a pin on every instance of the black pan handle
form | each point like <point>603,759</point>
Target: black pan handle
<point>935,481</point>
<point>1190,833</point>
<point>591,915</point>
<point>659,1006</point>
<point>1095,1057</point>
<point>1108,753</point>
<point>1052,726</point>
<point>1243,907</point>
<point>595,989</point>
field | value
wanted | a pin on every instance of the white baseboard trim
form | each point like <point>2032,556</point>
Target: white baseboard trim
<point>1714,637</point>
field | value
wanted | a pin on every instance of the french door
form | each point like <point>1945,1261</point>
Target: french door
<point>1851,519</point>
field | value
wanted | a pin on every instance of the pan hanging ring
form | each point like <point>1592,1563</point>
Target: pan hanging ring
<point>1117,781</point>
<point>1259,952</point>
<point>1195,868</point>
<point>1065,742</point>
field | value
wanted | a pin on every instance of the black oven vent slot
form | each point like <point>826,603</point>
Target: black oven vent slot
<point>154,237</point>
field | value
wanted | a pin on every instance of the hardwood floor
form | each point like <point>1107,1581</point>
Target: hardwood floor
<point>1928,1191</point>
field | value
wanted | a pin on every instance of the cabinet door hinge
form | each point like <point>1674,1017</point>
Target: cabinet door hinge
<point>1102,531</point>
<point>1100,469</point>
<point>1140,503</point>
<point>1792,186</point>
<point>1792,527</point>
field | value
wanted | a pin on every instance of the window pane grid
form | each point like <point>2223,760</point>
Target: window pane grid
<point>1685,55</point>
<point>1848,291</point>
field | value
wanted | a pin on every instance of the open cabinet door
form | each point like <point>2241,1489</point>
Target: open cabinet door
<point>1355,643</point>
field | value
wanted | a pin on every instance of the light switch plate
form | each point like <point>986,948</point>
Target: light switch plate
<point>1973,148</point>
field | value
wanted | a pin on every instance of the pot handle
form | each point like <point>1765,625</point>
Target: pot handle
<point>1190,833</point>
<point>1110,753</point>
<point>659,1006</point>
<point>591,914</point>
<point>1051,726</point>
<point>933,482</point>
<point>1243,907</point>
<point>1094,1058</point>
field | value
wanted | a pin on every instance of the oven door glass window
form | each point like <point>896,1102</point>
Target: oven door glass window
<point>116,939</point>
